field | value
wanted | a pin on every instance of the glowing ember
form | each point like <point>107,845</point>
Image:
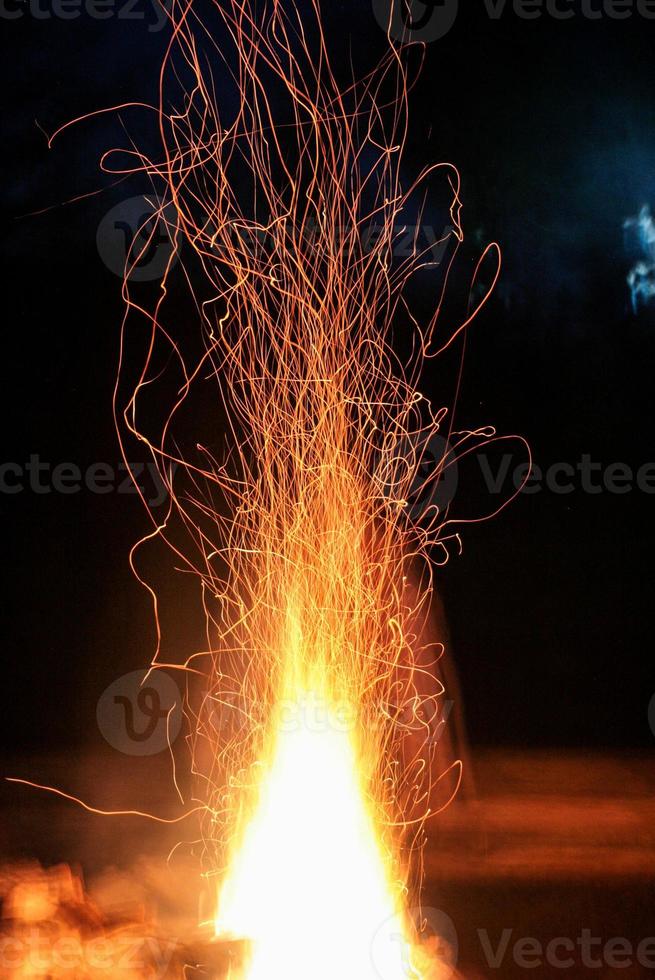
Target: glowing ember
<point>52,930</point>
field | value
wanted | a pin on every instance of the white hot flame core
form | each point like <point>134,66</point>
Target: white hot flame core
<point>309,887</point>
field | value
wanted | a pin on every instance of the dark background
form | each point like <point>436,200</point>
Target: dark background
<point>552,125</point>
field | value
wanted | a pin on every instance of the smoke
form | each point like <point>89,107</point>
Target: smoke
<point>640,239</point>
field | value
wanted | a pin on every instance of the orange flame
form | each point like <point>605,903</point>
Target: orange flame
<point>316,583</point>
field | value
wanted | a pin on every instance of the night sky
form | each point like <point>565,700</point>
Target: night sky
<point>552,125</point>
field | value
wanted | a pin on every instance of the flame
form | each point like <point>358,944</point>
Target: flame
<point>308,885</point>
<point>316,585</point>
<point>316,580</point>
